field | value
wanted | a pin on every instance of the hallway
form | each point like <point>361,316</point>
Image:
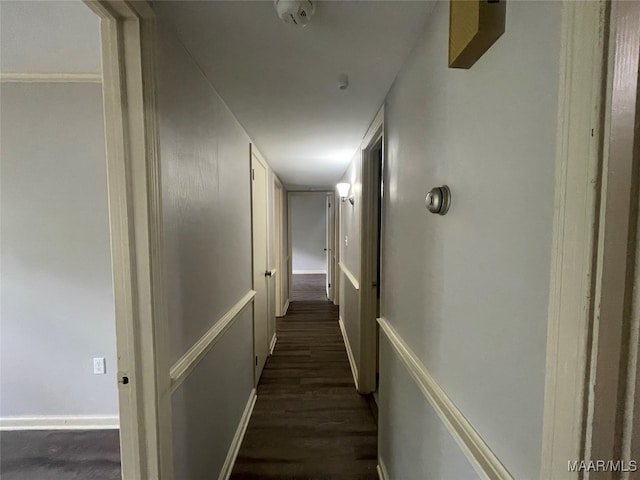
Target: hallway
<point>309,421</point>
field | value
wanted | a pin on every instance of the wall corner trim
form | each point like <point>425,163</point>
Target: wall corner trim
<point>483,460</point>
<point>354,281</point>
<point>60,422</point>
<point>347,345</point>
<point>382,470</point>
<point>230,461</point>
<point>185,365</point>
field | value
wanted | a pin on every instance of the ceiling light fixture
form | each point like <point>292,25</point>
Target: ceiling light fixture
<point>295,12</point>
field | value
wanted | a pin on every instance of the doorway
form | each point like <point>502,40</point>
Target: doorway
<point>261,271</point>
<point>139,368</point>
<point>310,245</point>
<point>371,248</point>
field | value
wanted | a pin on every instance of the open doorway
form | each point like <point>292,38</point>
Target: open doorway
<point>84,361</point>
<point>309,234</point>
<point>59,408</point>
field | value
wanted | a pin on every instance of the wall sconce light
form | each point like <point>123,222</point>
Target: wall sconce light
<point>343,192</point>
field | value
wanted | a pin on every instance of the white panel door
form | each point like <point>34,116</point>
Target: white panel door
<point>259,202</point>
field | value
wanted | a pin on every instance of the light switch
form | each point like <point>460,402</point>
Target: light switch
<point>346,240</point>
<point>99,366</point>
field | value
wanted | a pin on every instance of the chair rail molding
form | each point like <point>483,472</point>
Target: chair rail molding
<point>185,365</point>
<point>354,281</point>
<point>483,460</point>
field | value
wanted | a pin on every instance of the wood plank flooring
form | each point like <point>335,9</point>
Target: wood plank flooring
<point>309,287</point>
<point>309,422</point>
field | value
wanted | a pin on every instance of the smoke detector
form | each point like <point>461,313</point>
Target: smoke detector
<point>295,12</point>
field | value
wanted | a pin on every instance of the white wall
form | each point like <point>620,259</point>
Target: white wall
<point>309,232</point>
<point>207,220</point>
<point>57,308</point>
<point>469,291</point>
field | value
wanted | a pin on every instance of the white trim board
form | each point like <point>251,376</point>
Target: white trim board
<point>229,462</point>
<point>347,346</point>
<point>50,77</point>
<point>577,182</point>
<point>383,474</point>
<point>285,309</point>
<point>483,460</point>
<point>60,422</point>
<point>309,272</point>
<point>354,281</point>
<point>185,365</point>
<point>272,347</point>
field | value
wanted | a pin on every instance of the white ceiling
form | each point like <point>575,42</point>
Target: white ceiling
<point>281,81</point>
<point>49,37</point>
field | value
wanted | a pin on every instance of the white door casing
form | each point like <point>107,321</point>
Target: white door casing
<point>259,229</point>
<point>133,166</point>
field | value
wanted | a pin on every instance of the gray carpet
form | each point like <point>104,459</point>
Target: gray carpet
<point>60,455</point>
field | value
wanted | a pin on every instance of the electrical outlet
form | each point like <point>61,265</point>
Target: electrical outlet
<point>99,366</point>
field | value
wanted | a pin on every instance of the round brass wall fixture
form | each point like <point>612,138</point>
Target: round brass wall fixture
<point>438,200</point>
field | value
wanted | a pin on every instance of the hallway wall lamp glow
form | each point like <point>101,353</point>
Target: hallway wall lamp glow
<point>343,192</point>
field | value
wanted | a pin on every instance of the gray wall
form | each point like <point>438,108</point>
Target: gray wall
<point>468,292</point>
<point>349,248</point>
<point>205,194</point>
<point>309,232</point>
<point>56,286</point>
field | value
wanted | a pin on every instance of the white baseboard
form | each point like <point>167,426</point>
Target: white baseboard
<point>229,462</point>
<point>274,340</point>
<point>382,470</point>
<point>309,272</point>
<point>347,345</point>
<point>61,422</point>
<point>286,308</point>
<point>480,455</point>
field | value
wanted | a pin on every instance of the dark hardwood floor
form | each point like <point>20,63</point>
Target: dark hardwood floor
<point>309,422</point>
<point>309,287</point>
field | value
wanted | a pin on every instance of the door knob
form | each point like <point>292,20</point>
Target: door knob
<point>438,200</point>
<point>267,273</point>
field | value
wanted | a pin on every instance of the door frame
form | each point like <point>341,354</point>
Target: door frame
<point>278,208</point>
<point>134,186</point>
<point>612,349</point>
<point>592,213</point>
<point>290,194</point>
<point>331,247</point>
<point>255,154</point>
<point>367,381</point>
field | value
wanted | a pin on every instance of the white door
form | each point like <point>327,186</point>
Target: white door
<point>329,247</point>
<point>259,231</point>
